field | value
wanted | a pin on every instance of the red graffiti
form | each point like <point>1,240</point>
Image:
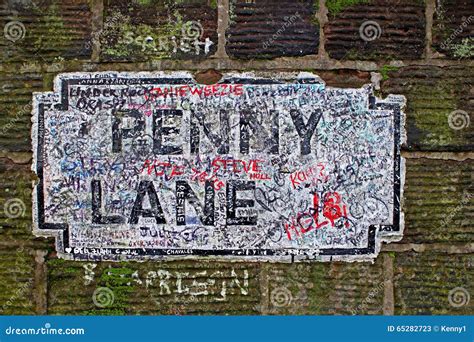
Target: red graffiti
<point>203,176</point>
<point>332,209</point>
<point>259,176</point>
<point>206,91</point>
<point>310,176</point>
<point>162,169</point>
<point>147,108</point>
<point>236,165</point>
<point>169,170</point>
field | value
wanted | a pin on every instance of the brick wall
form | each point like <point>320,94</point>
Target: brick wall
<point>422,49</point>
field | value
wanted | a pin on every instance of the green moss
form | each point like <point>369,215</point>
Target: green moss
<point>315,6</point>
<point>336,6</point>
<point>371,55</point>
<point>124,39</point>
<point>314,18</point>
<point>70,270</point>
<point>56,262</point>
<point>119,281</point>
<point>433,123</point>
<point>143,2</point>
<point>465,49</point>
<point>213,4</point>
<point>319,295</point>
<point>384,70</point>
<point>53,31</point>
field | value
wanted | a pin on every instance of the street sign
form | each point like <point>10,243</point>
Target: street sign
<point>157,166</point>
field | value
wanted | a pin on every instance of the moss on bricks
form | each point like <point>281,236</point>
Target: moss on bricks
<point>111,296</point>
<point>336,6</point>
<point>53,31</point>
<point>465,49</point>
<point>433,124</point>
<point>16,281</point>
<point>384,71</point>
<point>125,39</point>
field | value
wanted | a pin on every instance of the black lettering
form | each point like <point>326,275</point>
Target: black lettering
<point>233,203</point>
<point>165,125</point>
<point>220,141</point>
<point>305,131</point>
<point>127,124</point>
<point>147,188</point>
<point>185,193</point>
<point>249,121</point>
<point>97,216</point>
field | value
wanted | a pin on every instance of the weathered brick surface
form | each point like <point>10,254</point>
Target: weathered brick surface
<point>438,194</point>
<point>158,29</point>
<point>45,30</point>
<point>347,288</point>
<point>439,201</point>
<point>289,288</point>
<point>200,287</point>
<point>16,281</point>
<point>323,289</point>
<point>172,288</point>
<point>267,29</point>
<point>344,78</point>
<point>433,93</point>
<point>423,282</point>
<point>15,204</point>
<point>15,109</point>
<point>375,29</point>
<point>453,28</point>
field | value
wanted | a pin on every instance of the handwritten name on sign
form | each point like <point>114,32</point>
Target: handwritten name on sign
<point>153,166</point>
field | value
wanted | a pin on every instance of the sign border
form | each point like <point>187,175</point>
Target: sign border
<point>384,233</point>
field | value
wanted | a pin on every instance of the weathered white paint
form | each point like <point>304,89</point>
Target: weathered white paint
<point>142,165</point>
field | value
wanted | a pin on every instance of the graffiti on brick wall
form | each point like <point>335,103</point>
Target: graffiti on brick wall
<point>153,166</point>
<point>178,288</point>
